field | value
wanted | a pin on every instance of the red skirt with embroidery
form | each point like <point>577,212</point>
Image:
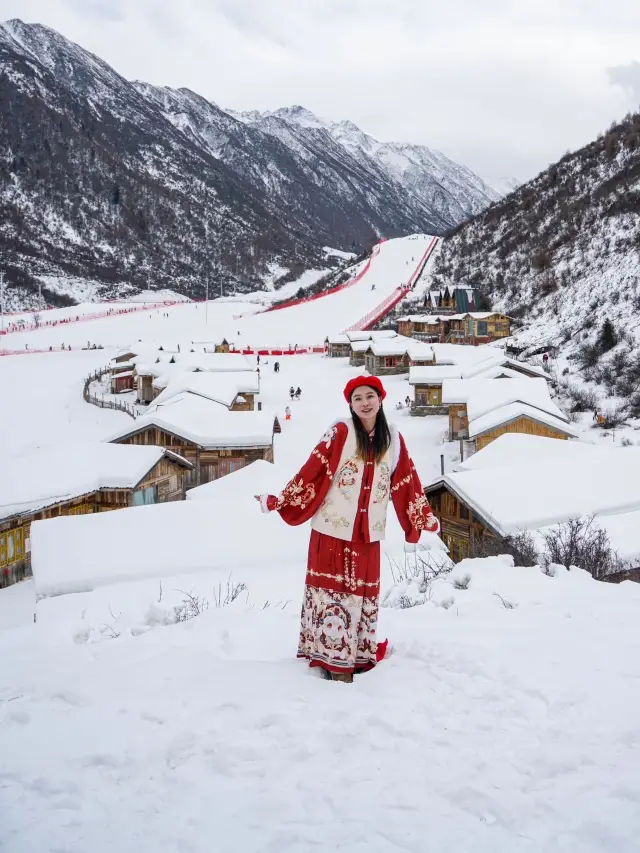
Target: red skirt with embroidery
<point>340,608</point>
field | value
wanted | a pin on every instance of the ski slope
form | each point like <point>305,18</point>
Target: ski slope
<point>305,324</point>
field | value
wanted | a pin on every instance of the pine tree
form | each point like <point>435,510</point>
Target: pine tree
<point>607,338</point>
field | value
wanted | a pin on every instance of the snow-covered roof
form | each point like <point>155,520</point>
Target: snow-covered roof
<point>521,366</point>
<point>477,315</point>
<point>391,346</point>
<point>435,375</point>
<point>458,354</point>
<point>222,388</point>
<point>61,472</point>
<point>519,483</point>
<point>360,346</point>
<point>515,448</point>
<point>257,478</point>
<point>419,350</point>
<point>340,338</point>
<point>429,319</point>
<point>205,423</point>
<point>371,336</point>
<point>121,375</point>
<point>213,361</point>
<point>485,395</point>
<point>507,414</point>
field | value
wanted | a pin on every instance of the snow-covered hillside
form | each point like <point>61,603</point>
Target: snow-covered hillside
<point>452,190</point>
<point>562,254</point>
<point>108,187</point>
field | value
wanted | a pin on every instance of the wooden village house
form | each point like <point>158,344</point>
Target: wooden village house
<point>452,299</point>
<point>470,329</point>
<point>153,372</point>
<point>502,491</point>
<point>84,478</point>
<point>388,356</point>
<point>215,440</point>
<point>337,346</point>
<point>236,391</point>
<point>423,327</point>
<point>341,345</point>
<point>483,409</point>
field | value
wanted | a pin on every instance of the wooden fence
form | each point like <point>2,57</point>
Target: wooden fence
<point>118,405</point>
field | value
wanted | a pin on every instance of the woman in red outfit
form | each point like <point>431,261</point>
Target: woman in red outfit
<point>344,489</point>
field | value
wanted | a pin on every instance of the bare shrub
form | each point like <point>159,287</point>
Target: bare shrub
<point>580,542</point>
<point>508,605</point>
<point>461,582</point>
<point>192,606</point>
<point>420,568</point>
<point>223,597</point>
<point>582,399</point>
<point>521,546</point>
<point>589,355</point>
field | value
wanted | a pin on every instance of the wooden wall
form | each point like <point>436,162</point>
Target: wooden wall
<point>458,420</point>
<point>428,395</point>
<point>386,365</point>
<point>209,464</point>
<point>523,425</point>
<point>460,527</point>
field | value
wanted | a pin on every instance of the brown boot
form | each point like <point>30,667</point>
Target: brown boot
<point>347,677</point>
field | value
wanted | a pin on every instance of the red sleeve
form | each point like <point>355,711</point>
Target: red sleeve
<point>411,505</point>
<point>301,497</point>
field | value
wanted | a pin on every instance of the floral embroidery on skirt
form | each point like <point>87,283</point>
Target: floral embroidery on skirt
<point>340,608</point>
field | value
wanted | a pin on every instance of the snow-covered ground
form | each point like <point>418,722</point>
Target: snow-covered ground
<point>489,728</point>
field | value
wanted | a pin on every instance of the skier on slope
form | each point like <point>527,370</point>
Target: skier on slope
<point>359,465</point>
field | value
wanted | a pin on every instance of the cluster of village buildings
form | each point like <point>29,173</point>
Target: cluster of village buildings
<point>522,469</point>
<point>202,420</point>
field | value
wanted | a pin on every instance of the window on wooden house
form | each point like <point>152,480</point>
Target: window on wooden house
<point>390,361</point>
<point>143,497</point>
<point>483,329</point>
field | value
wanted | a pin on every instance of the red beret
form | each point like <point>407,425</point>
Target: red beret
<point>371,381</point>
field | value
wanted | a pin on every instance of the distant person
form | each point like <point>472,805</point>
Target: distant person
<point>298,392</point>
<point>292,392</point>
<point>407,401</point>
<point>287,413</point>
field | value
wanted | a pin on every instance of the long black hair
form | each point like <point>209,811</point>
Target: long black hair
<point>381,434</point>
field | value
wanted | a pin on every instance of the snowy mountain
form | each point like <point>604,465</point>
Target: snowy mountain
<point>127,186</point>
<point>562,254</point>
<point>448,188</point>
<point>502,184</point>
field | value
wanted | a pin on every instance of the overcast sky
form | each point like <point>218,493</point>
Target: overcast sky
<point>505,86</point>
